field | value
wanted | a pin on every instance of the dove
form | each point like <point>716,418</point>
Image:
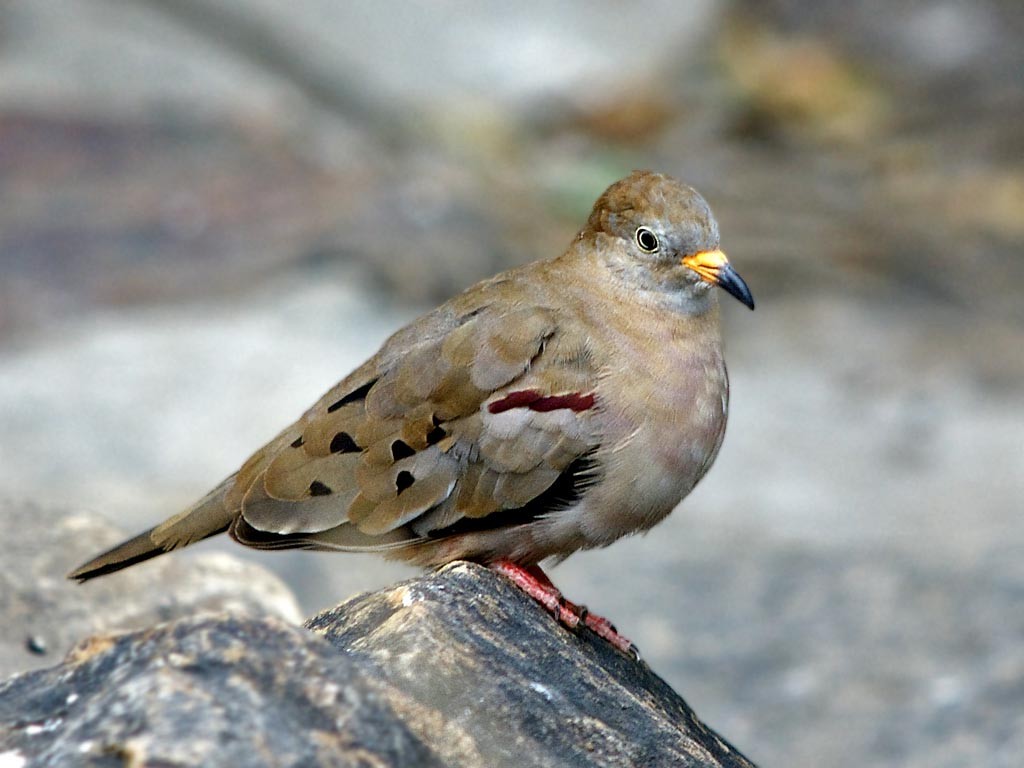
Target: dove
<point>555,407</point>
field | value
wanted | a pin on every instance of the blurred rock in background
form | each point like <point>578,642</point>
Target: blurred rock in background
<point>212,210</point>
<point>45,615</point>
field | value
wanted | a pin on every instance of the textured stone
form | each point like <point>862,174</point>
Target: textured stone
<point>466,648</point>
<point>204,691</point>
<point>457,668</point>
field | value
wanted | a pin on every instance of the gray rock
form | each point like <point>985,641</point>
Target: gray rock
<point>466,648</point>
<point>457,668</point>
<point>204,691</point>
<point>44,614</point>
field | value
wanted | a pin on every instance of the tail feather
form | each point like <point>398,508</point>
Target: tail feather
<point>204,519</point>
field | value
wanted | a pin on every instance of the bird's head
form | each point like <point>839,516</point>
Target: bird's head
<point>663,233</point>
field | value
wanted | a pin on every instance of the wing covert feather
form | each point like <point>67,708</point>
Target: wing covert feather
<point>408,444</point>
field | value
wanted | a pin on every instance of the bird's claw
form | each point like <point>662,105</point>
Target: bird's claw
<point>536,584</point>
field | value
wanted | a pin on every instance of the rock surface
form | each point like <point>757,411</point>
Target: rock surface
<point>44,613</point>
<point>457,668</point>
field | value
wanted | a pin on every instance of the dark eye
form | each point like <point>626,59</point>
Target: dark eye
<point>647,240</point>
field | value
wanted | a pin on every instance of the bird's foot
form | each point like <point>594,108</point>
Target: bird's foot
<point>601,627</point>
<point>534,582</point>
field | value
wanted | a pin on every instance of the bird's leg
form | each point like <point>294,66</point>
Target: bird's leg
<point>534,582</point>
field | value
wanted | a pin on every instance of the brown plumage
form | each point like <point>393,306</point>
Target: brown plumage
<point>554,407</point>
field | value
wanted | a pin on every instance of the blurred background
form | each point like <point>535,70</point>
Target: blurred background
<point>214,209</point>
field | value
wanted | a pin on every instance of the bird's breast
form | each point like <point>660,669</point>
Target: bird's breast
<point>678,420</point>
<point>665,420</point>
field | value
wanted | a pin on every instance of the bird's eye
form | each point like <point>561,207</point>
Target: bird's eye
<point>647,240</point>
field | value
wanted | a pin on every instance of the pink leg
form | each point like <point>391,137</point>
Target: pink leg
<point>534,582</point>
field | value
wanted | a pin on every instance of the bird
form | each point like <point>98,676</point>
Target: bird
<point>554,407</point>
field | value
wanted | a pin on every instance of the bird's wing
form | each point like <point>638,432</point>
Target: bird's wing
<point>480,416</point>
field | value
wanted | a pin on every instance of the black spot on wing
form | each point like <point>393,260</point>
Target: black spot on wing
<point>343,443</point>
<point>316,488</point>
<point>403,481</point>
<point>401,450</point>
<point>356,394</point>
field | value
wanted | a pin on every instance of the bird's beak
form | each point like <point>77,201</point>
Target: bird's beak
<point>714,267</point>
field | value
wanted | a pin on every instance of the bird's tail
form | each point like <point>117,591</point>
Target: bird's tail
<point>207,517</point>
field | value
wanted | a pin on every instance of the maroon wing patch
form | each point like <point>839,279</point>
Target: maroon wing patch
<point>538,401</point>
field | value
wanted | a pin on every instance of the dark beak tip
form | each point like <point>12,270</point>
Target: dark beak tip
<point>730,281</point>
<point>746,299</point>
